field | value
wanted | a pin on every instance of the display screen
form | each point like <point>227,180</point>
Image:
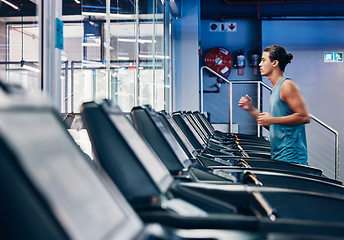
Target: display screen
<point>177,149</point>
<point>75,193</point>
<point>181,135</point>
<point>153,165</point>
<point>199,139</point>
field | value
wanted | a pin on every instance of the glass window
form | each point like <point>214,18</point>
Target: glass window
<point>136,52</point>
<point>71,57</point>
<point>19,39</point>
<point>123,55</point>
<point>151,54</point>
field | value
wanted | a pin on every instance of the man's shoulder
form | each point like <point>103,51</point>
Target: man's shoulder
<point>288,88</point>
<point>289,85</point>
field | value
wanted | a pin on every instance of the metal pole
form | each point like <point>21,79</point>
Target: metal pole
<point>72,86</point>
<point>266,86</point>
<point>94,85</point>
<point>336,174</point>
<point>336,163</point>
<point>137,96</point>
<point>230,107</point>
<point>258,107</point>
<point>108,51</point>
<point>66,87</point>
<point>201,89</point>
<point>155,90</point>
<point>218,75</point>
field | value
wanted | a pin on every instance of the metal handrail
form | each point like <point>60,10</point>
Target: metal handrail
<point>259,84</point>
<point>336,174</point>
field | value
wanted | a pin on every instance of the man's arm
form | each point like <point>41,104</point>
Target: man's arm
<point>289,92</point>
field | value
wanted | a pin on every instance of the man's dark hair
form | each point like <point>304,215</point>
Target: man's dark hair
<point>279,53</point>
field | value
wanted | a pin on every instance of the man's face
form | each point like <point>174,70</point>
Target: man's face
<point>265,64</point>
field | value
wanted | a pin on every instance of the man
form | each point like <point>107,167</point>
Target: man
<point>288,112</point>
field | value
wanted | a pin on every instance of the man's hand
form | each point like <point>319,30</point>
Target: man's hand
<point>265,119</point>
<point>245,103</point>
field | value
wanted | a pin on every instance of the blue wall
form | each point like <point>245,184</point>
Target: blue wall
<point>320,83</point>
<point>247,37</point>
<point>185,51</point>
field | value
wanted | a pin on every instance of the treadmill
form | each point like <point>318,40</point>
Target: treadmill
<point>52,190</point>
<point>189,132</point>
<point>153,193</point>
<point>49,188</point>
<point>244,139</point>
<point>152,127</point>
<point>223,160</point>
<point>252,142</point>
<point>202,144</point>
<point>233,142</point>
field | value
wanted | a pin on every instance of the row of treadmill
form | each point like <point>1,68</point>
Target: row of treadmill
<point>155,175</point>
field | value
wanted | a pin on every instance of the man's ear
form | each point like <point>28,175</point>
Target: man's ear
<point>275,63</point>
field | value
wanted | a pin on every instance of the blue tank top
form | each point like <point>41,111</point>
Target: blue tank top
<point>288,142</point>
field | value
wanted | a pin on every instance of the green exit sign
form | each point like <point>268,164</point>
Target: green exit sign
<point>333,57</point>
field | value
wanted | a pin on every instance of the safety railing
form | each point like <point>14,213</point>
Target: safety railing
<point>259,97</point>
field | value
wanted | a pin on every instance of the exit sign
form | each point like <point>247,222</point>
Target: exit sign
<point>333,57</point>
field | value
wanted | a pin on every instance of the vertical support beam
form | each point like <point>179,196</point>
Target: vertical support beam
<point>50,56</point>
<point>186,37</point>
<point>41,24</point>
<point>107,41</point>
<point>230,107</point>
<point>94,84</point>
<point>155,90</point>
<point>137,33</point>
<point>167,60</point>
<point>72,86</point>
<point>258,107</point>
<point>66,87</point>
<point>201,91</point>
<point>336,174</point>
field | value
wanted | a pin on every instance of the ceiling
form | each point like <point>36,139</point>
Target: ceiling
<point>272,9</point>
<point>73,7</point>
<point>210,9</point>
<point>25,8</point>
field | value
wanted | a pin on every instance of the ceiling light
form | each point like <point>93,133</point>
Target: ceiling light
<point>151,56</point>
<point>91,44</point>
<point>10,4</point>
<point>134,40</point>
<point>112,15</point>
<point>123,58</point>
<point>27,67</point>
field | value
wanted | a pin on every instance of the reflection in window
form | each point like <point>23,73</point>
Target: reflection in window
<point>127,61</point>
<point>136,52</point>
<point>22,56</point>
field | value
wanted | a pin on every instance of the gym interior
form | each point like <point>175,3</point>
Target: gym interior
<point>120,120</point>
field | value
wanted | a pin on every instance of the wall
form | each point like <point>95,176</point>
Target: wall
<point>187,32</point>
<point>246,37</point>
<point>321,83</point>
<point>185,50</point>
